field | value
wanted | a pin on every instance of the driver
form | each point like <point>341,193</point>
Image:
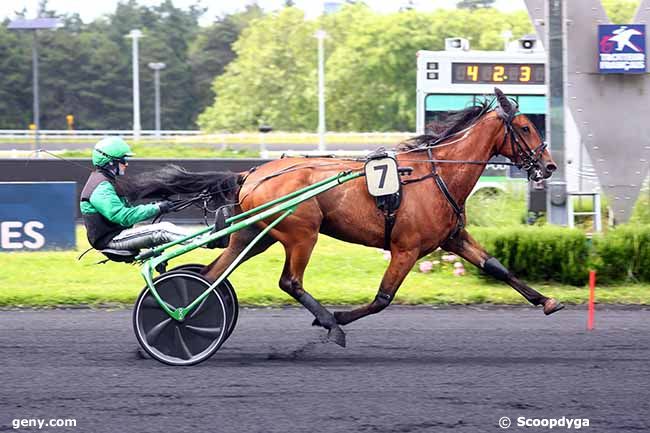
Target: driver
<point>107,215</point>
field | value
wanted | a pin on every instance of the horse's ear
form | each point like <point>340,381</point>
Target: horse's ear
<point>504,102</point>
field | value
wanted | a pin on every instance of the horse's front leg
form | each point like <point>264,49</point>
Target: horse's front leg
<point>466,247</point>
<point>401,262</point>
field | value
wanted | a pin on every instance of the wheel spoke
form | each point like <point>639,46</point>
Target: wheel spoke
<point>150,302</point>
<point>198,308</point>
<point>184,348</point>
<point>154,332</point>
<point>204,332</point>
<point>183,291</point>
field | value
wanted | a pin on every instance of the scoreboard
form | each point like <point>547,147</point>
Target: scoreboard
<point>497,73</point>
<point>451,80</point>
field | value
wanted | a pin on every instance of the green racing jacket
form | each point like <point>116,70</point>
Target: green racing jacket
<point>105,213</point>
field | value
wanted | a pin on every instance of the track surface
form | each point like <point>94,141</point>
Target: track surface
<point>405,370</point>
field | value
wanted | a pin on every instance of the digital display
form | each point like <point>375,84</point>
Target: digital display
<point>496,73</point>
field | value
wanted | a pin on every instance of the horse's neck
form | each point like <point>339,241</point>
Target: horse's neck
<point>478,146</point>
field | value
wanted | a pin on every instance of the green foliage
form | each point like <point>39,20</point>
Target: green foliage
<point>539,253</point>
<point>491,208</point>
<point>174,151</point>
<point>272,80</point>
<point>15,71</point>
<point>623,253</point>
<point>370,66</point>
<point>641,211</point>
<point>85,68</point>
<point>620,11</point>
<point>212,50</point>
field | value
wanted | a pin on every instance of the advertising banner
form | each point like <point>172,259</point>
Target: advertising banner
<point>37,216</point>
<point>621,49</point>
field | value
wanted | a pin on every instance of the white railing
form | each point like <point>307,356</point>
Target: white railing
<point>58,133</point>
<point>273,136</point>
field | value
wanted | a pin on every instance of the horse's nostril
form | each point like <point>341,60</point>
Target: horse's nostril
<point>551,167</point>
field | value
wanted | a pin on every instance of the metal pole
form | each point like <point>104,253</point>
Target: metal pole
<point>37,121</point>
<point>135,35</point>
<point>557,194</point>
<point>156,79</point>
<point>320,35</point>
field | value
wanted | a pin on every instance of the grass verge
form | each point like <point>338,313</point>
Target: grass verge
<point>339,273</point>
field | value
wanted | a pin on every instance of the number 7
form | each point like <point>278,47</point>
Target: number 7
<point>384,170</point>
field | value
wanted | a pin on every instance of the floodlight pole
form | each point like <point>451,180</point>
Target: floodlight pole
<point>134,35</point>
<point>320,35</point>
<point>37,117</point>
<point>34,25</point>
<point>156,79</point>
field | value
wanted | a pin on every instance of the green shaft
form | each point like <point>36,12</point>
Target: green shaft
<point>285,204</point>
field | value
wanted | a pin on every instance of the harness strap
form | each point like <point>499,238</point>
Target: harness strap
<point>389,223</point>
<point>458,210</point>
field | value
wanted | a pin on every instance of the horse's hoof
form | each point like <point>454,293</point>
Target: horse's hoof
<point>551,306</point>
<point>337,335</point>
<point>316,323</point>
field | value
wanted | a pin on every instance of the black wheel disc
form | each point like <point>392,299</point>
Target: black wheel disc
<point>188,342</point>
<point>227,292</point>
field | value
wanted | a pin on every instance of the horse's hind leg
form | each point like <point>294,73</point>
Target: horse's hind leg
<point>401,262</point>
<point>298,253</point>
<point>466,247</point>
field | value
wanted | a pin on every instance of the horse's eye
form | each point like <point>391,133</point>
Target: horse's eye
<point>525,129</point>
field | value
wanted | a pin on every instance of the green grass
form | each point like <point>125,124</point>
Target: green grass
<point>252,138</point>
<point>339,273</point>
<point>173,150</point>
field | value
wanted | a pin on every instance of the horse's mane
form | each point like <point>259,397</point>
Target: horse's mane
<point>443,129</point>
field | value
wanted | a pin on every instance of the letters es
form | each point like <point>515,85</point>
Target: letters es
<point>16,235</point>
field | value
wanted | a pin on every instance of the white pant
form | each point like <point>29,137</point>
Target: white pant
<point>147,236</point>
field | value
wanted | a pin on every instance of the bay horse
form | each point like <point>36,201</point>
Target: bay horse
<point>446,167</point>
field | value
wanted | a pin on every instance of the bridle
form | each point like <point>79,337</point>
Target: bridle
<point>525,158</point>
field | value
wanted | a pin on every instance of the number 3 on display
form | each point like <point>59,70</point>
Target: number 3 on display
<point>524,73</point>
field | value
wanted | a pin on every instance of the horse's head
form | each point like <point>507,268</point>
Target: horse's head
<point>522,143</point>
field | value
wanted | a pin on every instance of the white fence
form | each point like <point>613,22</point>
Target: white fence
<point>357,137</point>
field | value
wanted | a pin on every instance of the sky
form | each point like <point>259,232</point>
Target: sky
<point>90,10</point>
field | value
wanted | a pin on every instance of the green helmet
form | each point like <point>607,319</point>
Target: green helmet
<point>109,149</point>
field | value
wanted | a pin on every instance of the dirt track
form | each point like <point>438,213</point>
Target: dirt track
<point>405,370</point>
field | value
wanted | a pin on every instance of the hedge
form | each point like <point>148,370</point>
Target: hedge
<point>539,253</point>
<point>623,254</point>
<point>548,253</point>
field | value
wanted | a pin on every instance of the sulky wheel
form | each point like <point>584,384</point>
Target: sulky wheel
<point>227,292</point>
<point>194,339</point>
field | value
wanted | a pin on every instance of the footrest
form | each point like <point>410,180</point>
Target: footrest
<point>122,256</point>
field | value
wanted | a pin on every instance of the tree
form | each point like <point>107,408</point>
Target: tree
<point>16,83</point>
<point>272,80</point>
<point>620,11</point>
<point>370,67</point>
<point>212,50</point>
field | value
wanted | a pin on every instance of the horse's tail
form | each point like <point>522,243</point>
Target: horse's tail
<point>171,180</point>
